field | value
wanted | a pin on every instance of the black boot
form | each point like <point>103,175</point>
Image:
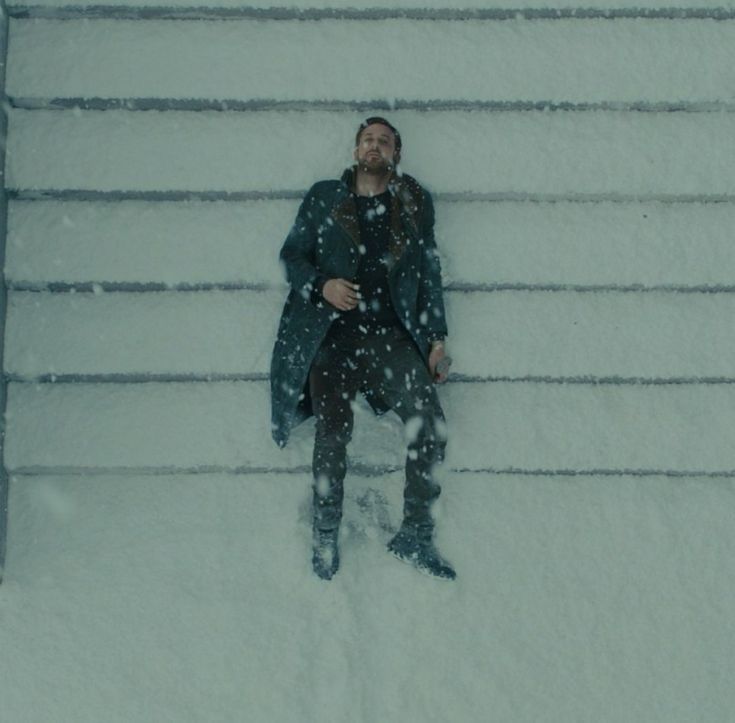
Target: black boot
<point>413,544</point>
<point>325,557</point>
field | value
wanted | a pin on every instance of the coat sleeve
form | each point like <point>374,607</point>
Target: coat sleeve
<point>298,252</point>
<point>430,297</point>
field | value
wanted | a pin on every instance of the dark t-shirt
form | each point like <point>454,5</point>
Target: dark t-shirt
<point>374,313</point>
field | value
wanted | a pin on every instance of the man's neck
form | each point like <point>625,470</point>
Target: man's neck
<point>370,184</point>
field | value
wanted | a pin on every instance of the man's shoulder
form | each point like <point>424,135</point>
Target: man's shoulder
<point>411,182</point>
<point>327,184</point>
<point>323,195</point>
<point>325,187</point>
<point>417,190</point>
<point>406,186</point>
<point>414,196</point>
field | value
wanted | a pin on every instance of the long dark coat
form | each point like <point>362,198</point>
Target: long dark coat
<point>323,242</point>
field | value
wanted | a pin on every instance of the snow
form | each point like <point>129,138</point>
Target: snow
<point>624,60</point>
<point>505,333</point>
<point>139,241</point>
<point>158,561</point>
<point>502,242</point>
<point>535,425</point>
<point>554,153</point>
<point>183,598</point>
<point>373,4</point>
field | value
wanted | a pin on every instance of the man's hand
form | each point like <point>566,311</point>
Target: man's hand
<point>436,354</point>
<point>341,294</point>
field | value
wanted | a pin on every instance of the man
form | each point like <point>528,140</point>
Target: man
<point>365,313</point>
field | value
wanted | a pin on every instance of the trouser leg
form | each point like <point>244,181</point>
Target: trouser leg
<point>403,381</point>
<point>332,393</point>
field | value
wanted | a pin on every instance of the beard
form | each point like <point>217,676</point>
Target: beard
<point>375,165</point>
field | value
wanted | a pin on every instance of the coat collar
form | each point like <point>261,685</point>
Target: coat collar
<point>406,203</point>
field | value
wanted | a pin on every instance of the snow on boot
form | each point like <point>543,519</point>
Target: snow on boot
<point>415,547</point>
<point>325,557</point>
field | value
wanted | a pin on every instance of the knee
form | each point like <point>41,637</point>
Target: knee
<point>427,433</point>
<point>333,432</point>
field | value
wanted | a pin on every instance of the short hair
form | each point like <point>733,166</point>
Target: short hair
<point>377,119</point>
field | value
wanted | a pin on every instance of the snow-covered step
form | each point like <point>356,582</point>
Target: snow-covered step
<point>376,7</point>
<point>214,332</point>
<point>619,244</point>
<point>587,153</point>
<point>494,426</point>
<point>512,60</point>
<point>584,586</point>
<point>156,242</point>
<point>500,334</point>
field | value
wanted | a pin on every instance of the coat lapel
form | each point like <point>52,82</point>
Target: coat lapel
<point>404,212</point>
<point>345,216</point>
<point>404,216</point>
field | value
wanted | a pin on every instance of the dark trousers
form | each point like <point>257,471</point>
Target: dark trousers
<point>389,369</point>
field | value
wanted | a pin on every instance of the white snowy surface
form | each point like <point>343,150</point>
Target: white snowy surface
<point>557,153</point>
<point>500,425</point>
<point>619,244</point>
<point>505,333</point>
<point>171,597</point>
<point>624,60</point>
<point>176,242</point>
<point>200,333</point>
<point>377,4</point>
<point>190,598</point>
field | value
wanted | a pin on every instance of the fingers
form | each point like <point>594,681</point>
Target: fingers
<point>439,365</point>
<point>348,295</point>
<point>348,287</point>
<point>338,292</point>
<point>439,378</point>
<point>341,294</point>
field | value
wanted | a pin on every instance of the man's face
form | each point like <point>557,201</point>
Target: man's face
<point>376,151</point>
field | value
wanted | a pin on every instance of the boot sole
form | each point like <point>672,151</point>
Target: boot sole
<point>423,570</point>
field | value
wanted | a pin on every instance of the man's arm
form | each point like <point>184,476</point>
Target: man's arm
<point>299,257</point>
<point>431,296</point>
<point>298,251</point>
